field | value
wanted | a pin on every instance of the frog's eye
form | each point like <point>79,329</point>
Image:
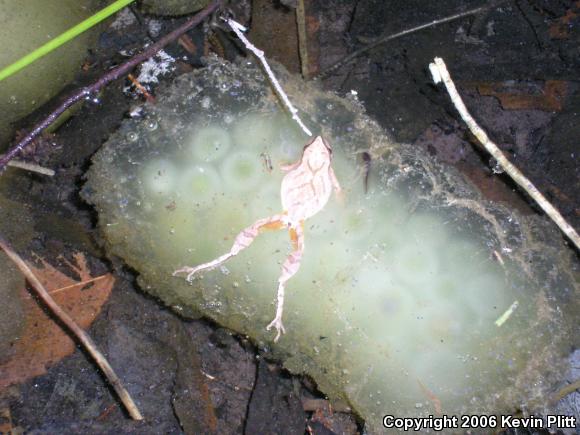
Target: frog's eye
<point>328,147</point>
<point>315,140</point>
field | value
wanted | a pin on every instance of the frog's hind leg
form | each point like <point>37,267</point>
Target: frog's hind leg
<point>289,269</point>
<point>242,241</point>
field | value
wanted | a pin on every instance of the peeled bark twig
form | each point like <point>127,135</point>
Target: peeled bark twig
<point>238,30</point>
<point>76,330</point>
<point>440,73</point>
<point>31,167</point>
<point>115,73</point>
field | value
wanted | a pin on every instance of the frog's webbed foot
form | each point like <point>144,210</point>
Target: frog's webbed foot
<point>289,269</point>
<point>277,323</point>
<point>205,266</point>
<point>191,271</point>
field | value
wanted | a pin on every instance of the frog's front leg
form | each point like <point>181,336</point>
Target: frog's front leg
<point>339,193</point>
<point>289,269</point>
<point>242,241</point>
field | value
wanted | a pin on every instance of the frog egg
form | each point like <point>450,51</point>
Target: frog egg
<point>199,183</point>
<point>241,171</point>
<point>415,264</point>
<point>255,132</point>
<point>210,143</point>
<point>159,176</point>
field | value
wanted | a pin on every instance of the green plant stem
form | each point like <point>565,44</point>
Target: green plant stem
<point>63,38</point>
<point>108,77</point>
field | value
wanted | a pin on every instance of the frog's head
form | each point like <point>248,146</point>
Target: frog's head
<point>317,152</point>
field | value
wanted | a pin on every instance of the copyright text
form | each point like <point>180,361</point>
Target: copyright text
<point>439,423</point>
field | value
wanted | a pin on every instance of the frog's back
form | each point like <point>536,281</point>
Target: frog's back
<point>305,193</point>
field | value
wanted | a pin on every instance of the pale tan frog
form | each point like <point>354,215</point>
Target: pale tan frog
<point>306,189</point>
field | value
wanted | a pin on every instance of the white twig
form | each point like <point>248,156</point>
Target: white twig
<point>238,30</point>
<point>31,167</point>
<point>440,73</point>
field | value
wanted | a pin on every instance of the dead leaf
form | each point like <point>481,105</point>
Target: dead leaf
<point>5,421</point>
<point>550,98</point>
<point>44,342</point>
<point>560,28</point>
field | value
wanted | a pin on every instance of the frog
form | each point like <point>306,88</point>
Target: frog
<point>305,190</point>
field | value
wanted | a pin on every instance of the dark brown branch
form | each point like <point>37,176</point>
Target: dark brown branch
<point>382,39</point>
<point>108,77</point>
<point>75,329</point>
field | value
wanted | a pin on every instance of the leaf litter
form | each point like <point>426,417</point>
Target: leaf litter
<point>43,342</point>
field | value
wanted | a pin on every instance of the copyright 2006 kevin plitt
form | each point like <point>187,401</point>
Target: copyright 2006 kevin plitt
<point>444,422</point>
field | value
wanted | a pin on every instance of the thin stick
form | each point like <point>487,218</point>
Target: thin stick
<point>440,73</point>
<point>32,167</point>
<point>108,77</point>
<point>76,330</point>
<point>568,389</point>
<point>302,39</point>
<point>382,39</point>
<point>238,29</point>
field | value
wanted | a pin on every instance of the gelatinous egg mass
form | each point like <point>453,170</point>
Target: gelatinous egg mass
<point>198,182</point>
<point>241,171</point>
<point>159,177</point>
<point>404,301</point>
<point>210,143</point>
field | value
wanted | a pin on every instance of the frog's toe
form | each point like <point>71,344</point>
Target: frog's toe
<point>182,270</point>
<point>189,270</point>
<point>276,323</point>
<point>190,275</point>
